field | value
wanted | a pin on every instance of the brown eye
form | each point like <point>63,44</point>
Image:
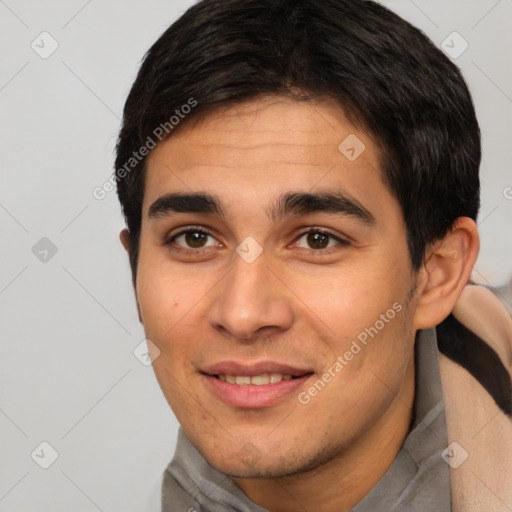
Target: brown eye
<point>193,239</point>
<point>317,240</point>
<point>196,239</point>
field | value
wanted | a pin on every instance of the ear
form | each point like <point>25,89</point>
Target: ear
<point>445,273</point>
<point>124,236</point>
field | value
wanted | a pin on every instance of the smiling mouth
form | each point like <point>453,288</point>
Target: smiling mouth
<point>255,380</point>
<point>247,387</point>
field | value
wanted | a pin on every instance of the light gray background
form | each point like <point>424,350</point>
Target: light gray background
<point>69,324</point>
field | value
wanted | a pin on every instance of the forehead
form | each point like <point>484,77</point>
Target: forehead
<point>261,148</point>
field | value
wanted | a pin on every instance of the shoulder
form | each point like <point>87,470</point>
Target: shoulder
<point>482,312</point>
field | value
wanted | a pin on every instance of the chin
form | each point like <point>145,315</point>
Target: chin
<point>236,470</point>
<point>248,461</point>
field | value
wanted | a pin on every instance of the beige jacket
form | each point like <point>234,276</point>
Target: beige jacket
<point>479,431</point>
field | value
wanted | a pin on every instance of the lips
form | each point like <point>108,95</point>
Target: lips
<point>254,369</point>
<point>255,380</point>
<point>256,385</point>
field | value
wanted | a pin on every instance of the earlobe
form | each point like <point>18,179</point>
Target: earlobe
<point>124,236</point>
<point>445,273</point>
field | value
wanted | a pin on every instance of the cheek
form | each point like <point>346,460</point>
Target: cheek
<point>354,296</point>
<point>368,324</point>
<point>164,295</point>
<point>371,376</point>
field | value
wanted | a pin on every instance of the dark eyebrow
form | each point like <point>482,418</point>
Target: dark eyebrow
<point>170,204</point>
<point>290,203</point>
<point>328,202</point>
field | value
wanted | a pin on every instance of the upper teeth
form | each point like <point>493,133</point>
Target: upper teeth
<point>257,380</point>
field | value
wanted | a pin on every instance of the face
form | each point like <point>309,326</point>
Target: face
<point>274,278</point>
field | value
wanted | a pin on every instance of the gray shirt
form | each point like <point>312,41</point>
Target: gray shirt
<point>417,481</point>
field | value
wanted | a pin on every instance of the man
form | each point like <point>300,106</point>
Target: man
<point>300,185</point>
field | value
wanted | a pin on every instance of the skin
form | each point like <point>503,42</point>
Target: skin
<point>297,303</point>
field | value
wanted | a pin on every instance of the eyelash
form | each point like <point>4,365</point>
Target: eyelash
<point>192,229</point>
<point>341,242</point>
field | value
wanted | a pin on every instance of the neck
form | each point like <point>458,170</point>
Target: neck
<point>343,481</point>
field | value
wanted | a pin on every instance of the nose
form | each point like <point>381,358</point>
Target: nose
<point>251,301</point>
